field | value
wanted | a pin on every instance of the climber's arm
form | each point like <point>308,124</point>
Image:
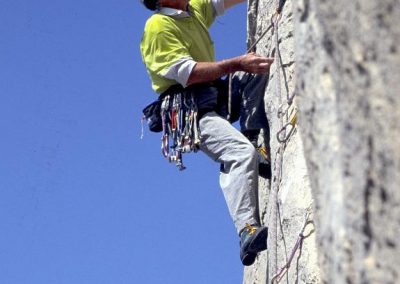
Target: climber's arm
<point>209,71</point>
<point>230,3</point>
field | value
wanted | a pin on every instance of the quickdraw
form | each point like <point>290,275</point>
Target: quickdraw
<point>287,130</point>
<point>180,127</point>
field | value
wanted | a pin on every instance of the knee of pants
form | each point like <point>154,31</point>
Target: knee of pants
<point>248,153</point>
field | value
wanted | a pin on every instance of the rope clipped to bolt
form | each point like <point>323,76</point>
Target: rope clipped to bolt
<point>278,277</point>
<point>286,129</point>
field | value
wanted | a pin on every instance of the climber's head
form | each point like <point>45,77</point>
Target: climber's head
<point>156,4</point>
<point>150,4</point>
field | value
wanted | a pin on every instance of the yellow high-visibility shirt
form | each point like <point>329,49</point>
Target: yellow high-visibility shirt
<point>166,40</point>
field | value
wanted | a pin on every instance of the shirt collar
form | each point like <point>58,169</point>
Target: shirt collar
<point>175,13</point>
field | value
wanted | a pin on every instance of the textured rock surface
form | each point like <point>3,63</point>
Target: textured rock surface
<point>347,81</point>
<point>348,71</point>
<point>294,197</point>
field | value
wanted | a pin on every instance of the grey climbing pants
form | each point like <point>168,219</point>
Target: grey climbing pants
<point>223,143</point>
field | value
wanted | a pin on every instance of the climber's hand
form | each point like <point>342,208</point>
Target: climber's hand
<point>254,63</point>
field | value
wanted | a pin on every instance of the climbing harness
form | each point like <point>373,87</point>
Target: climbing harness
<point>180,127</point>
<point>176,114</point>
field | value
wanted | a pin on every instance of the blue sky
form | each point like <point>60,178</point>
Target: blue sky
<point>82,198</point>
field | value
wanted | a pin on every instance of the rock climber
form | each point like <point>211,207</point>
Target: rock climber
<point>178,53</point>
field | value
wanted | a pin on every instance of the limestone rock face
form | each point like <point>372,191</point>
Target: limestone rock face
<point>294,198</point>
<point>348,83</point>
<point>341,163</point>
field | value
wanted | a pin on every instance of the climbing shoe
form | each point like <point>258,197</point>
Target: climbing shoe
<point>264,162</point>
<point>253,239</point>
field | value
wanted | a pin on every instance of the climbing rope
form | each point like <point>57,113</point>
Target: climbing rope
<point>250,49</point>
<point>278,277</point>
<point>287,120</point>
<point>273,222</point>
<point>277,13</point>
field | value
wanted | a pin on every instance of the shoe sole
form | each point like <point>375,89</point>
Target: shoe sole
<point>249,259</point>
<point>257,245</point>
<point>264,170</point>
